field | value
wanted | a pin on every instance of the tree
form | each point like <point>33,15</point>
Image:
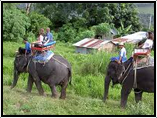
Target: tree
<point>62,13</point>
<point>121,31</point>
<point>28,6</point>
<point>126,13</point>
<point>38,21</point>
<point>15,23</point>
<point>92,13</point>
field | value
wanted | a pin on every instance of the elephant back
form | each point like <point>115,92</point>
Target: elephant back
<point>62,60</point>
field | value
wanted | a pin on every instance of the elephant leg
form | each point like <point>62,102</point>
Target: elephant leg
<point>124,96</point>
<point>54,92</point>
<point>63,90</point>
<point>138,95</point>
<point>39,87</point>
<point>30,83</point>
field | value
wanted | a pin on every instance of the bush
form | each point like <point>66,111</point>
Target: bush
<point>15,24</point>
<point>67,33</point>
<point>95,63</point>
<point>102,29</point>
<point>55,35</point>
<point>38,21</point>
<point>84,34</point>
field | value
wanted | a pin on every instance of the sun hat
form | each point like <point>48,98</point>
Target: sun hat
<point>121,43</point>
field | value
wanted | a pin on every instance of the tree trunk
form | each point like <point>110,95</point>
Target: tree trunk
<point>28,6</point>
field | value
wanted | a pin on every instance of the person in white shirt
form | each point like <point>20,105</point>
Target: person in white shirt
<point>148,44</point>
<point>122,54</point>
<point>40,38</point>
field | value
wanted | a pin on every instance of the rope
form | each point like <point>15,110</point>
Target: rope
<point>127,74</point>
<point>60,62</point>
<point>28,65</point>
<point>135,73</point>
<point>143,67</point>
<point>137,92</point>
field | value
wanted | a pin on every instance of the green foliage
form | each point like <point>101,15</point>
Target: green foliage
<point>66,33</point>
<point>9,6</point>
<point>102,29</point>
<point>126,13</point>
<point>84,34</point>
<point>121,31</point>
<point>79,23</point>
<point>139,109</point>
<point>129,49</point>
<point>96,63</point>
<point>38,21</point>
<point>55,35</point>
<point>88,14</point>
<point>31,37</point>
<point>15,24</point>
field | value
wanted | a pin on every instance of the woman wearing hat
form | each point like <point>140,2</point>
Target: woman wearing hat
<point>122,54</point>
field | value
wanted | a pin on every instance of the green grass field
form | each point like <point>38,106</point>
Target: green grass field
<point>84,96</point>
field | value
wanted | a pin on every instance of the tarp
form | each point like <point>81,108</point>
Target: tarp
<point>135,37</point>
<point>43,57</point>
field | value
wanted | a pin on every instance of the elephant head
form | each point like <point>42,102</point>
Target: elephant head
<point>20,64</point>
<point>115,72</point>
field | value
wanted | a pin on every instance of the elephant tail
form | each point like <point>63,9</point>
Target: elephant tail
<point>70,76</point>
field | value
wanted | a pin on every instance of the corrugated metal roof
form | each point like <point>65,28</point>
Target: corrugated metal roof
<point>91,43</point>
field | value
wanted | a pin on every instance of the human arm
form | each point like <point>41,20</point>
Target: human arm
<point>120,60</point>
<point>140,46</point>
<point>27,48</point>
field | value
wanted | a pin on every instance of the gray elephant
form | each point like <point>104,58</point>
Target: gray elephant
<point>57,71</point>
<point>124,74</point>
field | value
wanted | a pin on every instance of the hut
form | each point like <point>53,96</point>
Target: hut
<point>87,45</point>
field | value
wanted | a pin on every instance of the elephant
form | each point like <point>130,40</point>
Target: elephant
<point>124,74</point>
<point>57,71</point>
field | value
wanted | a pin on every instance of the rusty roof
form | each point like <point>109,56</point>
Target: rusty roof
<point>91,43</point>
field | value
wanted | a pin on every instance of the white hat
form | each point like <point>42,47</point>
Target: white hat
<point>121,43</point>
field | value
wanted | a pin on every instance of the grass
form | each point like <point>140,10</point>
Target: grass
<point>84,96</point>
<point>32,104</point>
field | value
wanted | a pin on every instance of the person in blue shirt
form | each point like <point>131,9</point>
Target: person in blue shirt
<point>49,35</point>
<point>48,38</point>
<point>27,49</point>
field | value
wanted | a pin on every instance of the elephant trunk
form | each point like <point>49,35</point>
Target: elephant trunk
<point>16,74</point>
<point>106,87</point>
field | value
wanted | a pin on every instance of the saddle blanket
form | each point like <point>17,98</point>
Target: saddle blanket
<point>43,57</point>
<point>146,62</point>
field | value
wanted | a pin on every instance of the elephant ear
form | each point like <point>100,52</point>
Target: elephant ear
<point>120,69</point>
<point>21,61</point>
